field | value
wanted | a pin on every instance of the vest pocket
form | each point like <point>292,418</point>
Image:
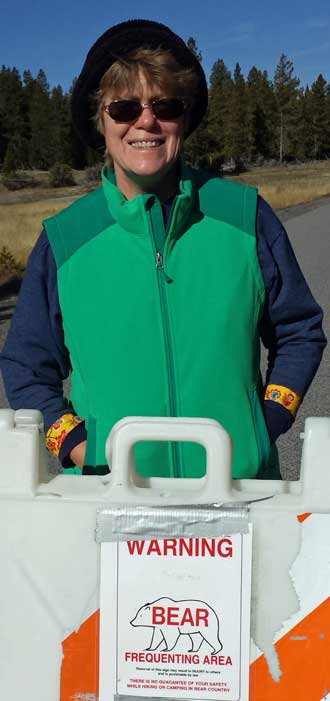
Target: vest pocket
<point>261,433</point>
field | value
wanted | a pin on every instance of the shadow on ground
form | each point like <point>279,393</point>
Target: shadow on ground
<point>8,293</point>
<point>10,287</point>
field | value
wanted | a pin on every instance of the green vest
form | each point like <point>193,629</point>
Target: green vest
<point>164,323</point>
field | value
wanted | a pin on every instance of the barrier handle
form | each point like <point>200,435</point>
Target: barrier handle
<point>125,484</point>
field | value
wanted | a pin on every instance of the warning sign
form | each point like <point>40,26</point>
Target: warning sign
<point>175,618</point>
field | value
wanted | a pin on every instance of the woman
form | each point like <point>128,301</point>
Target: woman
<point>155,289</point>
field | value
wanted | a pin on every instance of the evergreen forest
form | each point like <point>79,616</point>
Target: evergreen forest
<point>252,119</point>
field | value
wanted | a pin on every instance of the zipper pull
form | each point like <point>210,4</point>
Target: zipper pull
<point>159,261</point>
<point>160,266</point>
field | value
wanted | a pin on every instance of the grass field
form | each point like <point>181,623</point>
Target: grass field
<point>288,185</point>
<point>20,221</point>
<point>21,224</point>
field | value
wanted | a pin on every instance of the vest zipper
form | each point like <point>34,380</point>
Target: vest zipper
<point>160,266</point>
<point>163,279</point>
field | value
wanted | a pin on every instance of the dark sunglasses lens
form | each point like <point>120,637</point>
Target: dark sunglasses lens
<point>125,110</point>
<point>128,110</point>
<point>168,108</point>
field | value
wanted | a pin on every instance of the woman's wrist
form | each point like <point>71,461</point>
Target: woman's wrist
<point>77,454</point>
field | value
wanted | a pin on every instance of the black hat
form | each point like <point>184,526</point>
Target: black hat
<point>117,42</point>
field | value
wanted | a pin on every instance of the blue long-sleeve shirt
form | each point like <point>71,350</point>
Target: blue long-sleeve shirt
<point>35,360</point>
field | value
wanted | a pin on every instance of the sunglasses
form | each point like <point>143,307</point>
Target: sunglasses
<point>165,108</point>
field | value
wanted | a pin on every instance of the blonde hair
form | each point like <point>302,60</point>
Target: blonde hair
<point>158,66</point>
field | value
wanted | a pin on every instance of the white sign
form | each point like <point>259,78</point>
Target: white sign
<point>175,618</point>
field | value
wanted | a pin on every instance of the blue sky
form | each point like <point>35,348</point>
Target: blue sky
<point>56,35</point>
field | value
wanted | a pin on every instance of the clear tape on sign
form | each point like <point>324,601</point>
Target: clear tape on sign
<point>120,524</point>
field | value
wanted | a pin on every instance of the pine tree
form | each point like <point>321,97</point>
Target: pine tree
<point>198,145</point>
<point>236,137</point>
<point>60,126</point>
<point>327,100</point>
<point>320,118</point>
<point>260,114</point>
<point>78,150</point>
<point>286,93</point>
<point>301,138</point>
<point>12,120</point>
<point>219,105</point>
<point>12,160</point>
<point>28,88</point>
<point>192,45</point>
<point>40,146</point>
<point>307,125</point>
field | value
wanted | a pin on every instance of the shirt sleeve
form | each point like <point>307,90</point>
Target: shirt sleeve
<point>35,360</point>
<point>291,326</point>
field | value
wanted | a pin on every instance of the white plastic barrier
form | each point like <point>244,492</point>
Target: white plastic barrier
<point>49,585</point>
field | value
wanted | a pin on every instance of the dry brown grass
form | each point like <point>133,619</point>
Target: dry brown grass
<point>288,185</point>
<point>21,224</point>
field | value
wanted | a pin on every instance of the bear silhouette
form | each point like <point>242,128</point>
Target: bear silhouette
<point>169,619</point>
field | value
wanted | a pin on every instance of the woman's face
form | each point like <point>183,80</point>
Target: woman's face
<point>144,151</point>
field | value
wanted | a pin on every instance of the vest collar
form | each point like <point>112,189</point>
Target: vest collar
<point>131,214</point>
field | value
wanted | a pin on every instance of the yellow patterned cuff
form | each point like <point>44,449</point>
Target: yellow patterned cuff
<point>285,396</point>
<point>59,430</point>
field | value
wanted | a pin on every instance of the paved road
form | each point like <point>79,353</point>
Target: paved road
<point>309,230</point>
